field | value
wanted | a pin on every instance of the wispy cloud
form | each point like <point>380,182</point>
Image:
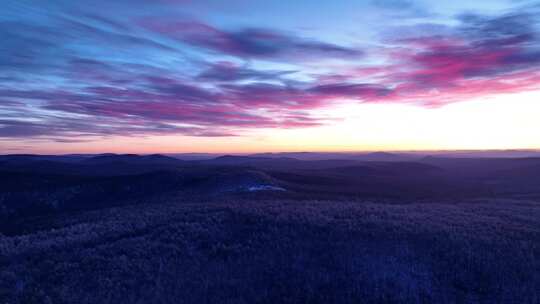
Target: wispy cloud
<point>90,74</point>
<point>248,42</point>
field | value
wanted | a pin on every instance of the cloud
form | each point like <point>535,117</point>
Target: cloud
<point>486,56</point>
<point>227,71</point>
<point>402,8</point>
<point>160,106</point>
<point>90,75</point>
<point>362,91</point>
<point>393,4</point>
<point>249,42</point>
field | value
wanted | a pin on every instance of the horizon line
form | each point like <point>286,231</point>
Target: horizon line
<point>537,150</point>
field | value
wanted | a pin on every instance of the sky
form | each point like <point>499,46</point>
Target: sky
<point>170,76</point>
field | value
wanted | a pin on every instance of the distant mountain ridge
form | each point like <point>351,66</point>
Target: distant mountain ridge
<point>250,158</point>
<point>368,156</point>
<point>133,158</point>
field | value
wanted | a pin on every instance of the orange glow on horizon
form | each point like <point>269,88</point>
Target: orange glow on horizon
<point>496,123</point>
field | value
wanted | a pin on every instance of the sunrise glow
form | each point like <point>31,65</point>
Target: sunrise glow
<point>205,76</point>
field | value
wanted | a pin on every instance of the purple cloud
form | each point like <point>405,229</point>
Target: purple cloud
<point>226,71</point>
<point>92,75</point>
<point>248,43</point>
